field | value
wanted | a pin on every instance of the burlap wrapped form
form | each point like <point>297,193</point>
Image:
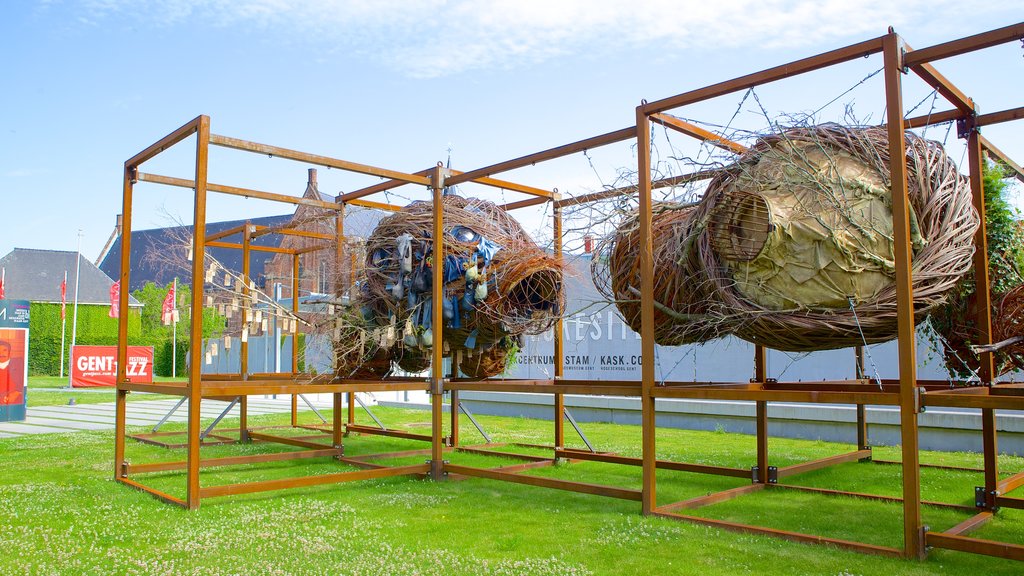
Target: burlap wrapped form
<point>792,246</point>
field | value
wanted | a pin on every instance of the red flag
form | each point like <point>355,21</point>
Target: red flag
<point>115,297</point>
<point>168,308</point>
<point>3,274</point>
<point>64,295</point>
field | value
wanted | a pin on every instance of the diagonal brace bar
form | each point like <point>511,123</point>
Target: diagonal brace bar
<point>568,416</point>
<point>479,428</point>
<point>169,414</point>
<point>313,408</point>
<point>219,418</point>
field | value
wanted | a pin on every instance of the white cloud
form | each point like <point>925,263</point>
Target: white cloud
<point>429,38</point>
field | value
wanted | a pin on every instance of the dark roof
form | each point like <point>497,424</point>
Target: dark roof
<point>147,245</point>
<point>35,275</point>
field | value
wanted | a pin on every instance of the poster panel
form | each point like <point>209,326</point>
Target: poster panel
<point>93,366</point>
<point>14,328</point>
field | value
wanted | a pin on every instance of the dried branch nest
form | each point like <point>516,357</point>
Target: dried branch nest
<point>791,247</point>
<point>956,322</point>
<point>498,285</point>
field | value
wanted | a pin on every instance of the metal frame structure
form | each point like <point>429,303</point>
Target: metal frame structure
<point>908,393</point>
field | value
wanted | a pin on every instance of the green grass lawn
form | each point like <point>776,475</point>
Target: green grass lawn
<point>53,391</point>
<point>61,512</point>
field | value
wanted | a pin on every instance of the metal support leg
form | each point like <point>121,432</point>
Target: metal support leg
<point>568,416</point>
<point>367,408</point>
<point>169,414</point>
<point>479,428</point>
<point>313,408</point>
<point>218,419</point>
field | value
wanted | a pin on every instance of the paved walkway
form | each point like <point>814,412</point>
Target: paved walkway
<point>57,419</point>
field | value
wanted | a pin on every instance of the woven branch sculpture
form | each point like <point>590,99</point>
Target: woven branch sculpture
<point>791,247</point>
<point>498,285</point>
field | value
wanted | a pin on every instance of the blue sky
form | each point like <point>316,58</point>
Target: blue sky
<point>87,84</point>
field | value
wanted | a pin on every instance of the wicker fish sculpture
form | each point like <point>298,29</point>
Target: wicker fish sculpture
<point>791,247</point>
<point>498,285</point>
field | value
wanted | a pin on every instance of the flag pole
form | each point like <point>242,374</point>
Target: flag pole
<point>63,321</point>
<point>74,314</point>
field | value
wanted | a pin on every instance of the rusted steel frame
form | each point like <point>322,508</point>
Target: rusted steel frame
<point>210,440</point>
<point>684,127</point>
<point>796,68</point>
<point>979,120</point>
<point>661,464</point>
<point>540,481</point>
<point>377,205</point>
<point>347,198</point>
<point>975,545</point>
<point>1007,485</point>
<point>913,540</point>
<point>437,185</point>
<point>932,119</point>
<point>709,499</point>
<point>121,378</point>
<point>524,381</point>
<point>648,415</point>
<point>243,401</point>
<point>983,319</point>
<point>513,455</point>
<point>551,153</point>
<point>163,496</point>
<point>820,463</point>
<point>247,146</point>
<point>582,389</point>
<point>935,466</point>
<point>810,396</point>
<point>383,455</point>
<point>295,330</point>
<point>361,463</point>
<point>306,481</point>
<point>289,230</point>
<point>622,191</point>
<point>289,441</point>
<point>785,534</point>
<point>194,387</point>
<point>761,414</point>
<point>337,427</point>
<point>1008,502</point>
<point>225,233</point>
<point>976,400</point>
<point>1001,157</point>
<point>164,143</point>
<point>524,203</point>
<point>316,248</point>
<point>274,249</point>
<point>971,524</point>
<point>877,497</point>
<point>290,387</point>
<point>981,274</point>
<point>506,185</point>
<point>360,429</point>
<point>235,191</point>
<point>231,461</point>
<point>964,45</point>
<point>559,343</point>
<point>453,406</point>
<point>943,86</point>
<point>517,468</point>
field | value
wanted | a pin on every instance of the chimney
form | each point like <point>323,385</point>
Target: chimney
<point>312,177</point>
<point>119,224</point>
<point>588,244</point>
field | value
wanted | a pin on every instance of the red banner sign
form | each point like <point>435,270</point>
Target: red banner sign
<point>93,366</point>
